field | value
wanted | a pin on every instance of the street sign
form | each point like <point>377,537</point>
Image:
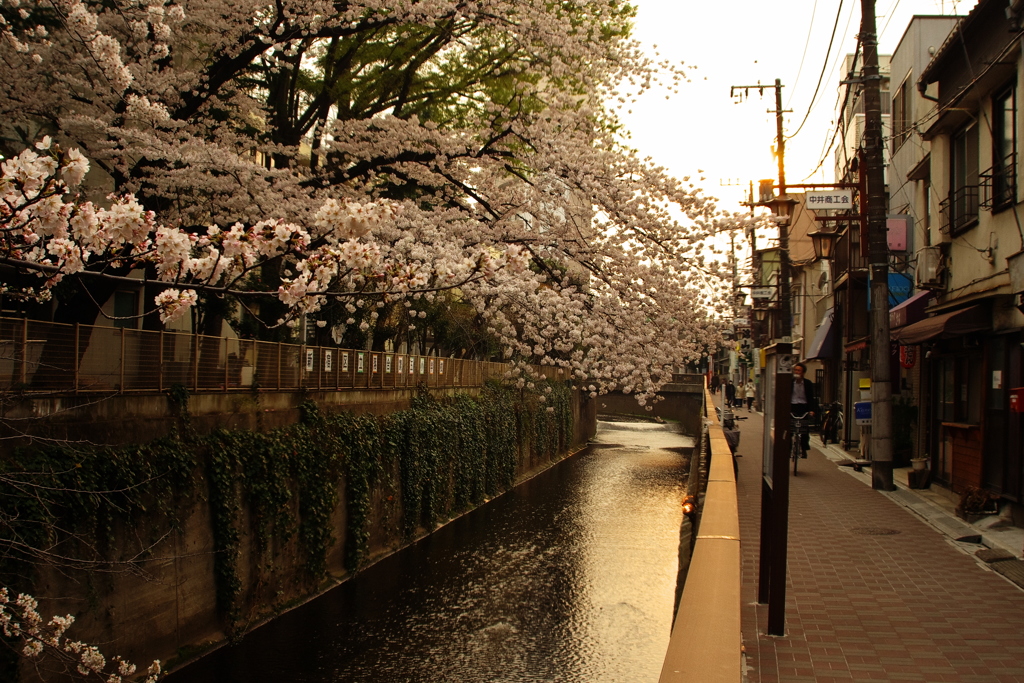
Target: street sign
<point>835,199</point>
<point>762,292</point>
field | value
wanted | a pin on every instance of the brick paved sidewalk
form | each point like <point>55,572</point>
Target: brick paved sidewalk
<point>874,593</point>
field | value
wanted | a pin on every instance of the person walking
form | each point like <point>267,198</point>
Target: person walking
<point>804,401</point>
<point>749,394</point>
<point>715,383</point>
<point>730,393</point>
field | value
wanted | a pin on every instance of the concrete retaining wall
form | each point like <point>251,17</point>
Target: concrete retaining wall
<point>163,605</point>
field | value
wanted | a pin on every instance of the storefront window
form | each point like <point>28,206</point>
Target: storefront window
<point>947,410</point>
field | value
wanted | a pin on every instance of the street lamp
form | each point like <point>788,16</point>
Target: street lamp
<point>824,243</point>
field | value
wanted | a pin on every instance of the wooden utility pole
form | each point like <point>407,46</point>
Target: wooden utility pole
<point>774,541</point>
<point>878,256</point>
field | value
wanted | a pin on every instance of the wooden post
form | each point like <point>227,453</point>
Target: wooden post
<point>160,363</point>
<point>195,362</point>
<point>77,363</point>
<point>121,379</point>
<point>23,365</point>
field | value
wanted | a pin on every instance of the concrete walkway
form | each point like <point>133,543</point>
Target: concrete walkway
<point>875,592</point>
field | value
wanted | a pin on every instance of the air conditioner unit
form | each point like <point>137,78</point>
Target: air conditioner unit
<point>930,267</point>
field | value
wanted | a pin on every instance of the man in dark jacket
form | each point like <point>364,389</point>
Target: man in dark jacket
<point>804,401</point>
<point>730,393</point>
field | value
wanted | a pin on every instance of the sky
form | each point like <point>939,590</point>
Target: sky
<point>743,42</point>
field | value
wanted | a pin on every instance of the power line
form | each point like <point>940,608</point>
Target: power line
<point>810,32</point>
<point>840,123</point>
<point>824,67</point>
<point>889,18</point>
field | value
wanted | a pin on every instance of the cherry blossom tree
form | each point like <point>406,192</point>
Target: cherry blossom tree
<point>363,165</point>
<point>43,643</point>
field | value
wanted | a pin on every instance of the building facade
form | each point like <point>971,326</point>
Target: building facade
<point>956,165</point>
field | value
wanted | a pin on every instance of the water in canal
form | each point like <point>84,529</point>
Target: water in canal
<point>568,577</point>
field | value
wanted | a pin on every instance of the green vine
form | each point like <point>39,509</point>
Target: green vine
<point>439,458</point>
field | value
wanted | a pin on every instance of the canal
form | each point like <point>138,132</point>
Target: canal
<point>570,576</point>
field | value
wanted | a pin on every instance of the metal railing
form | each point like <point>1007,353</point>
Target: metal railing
<point>959,210</point>
<point>44,357</point>
<point>999,184</point>
<point>849,255</point>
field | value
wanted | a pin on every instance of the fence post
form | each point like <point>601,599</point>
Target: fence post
<point>195,362</point>
<point>160,362</point>
<point>121,387</point>
<point>23,365</point>
<point>279,365</point>
<point>227,370</point>
<point>77,367</point>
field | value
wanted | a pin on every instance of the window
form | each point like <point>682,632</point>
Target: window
<point>1000,181</point>
<point>126,306</point>
<point>960,389</point>
<point>961,206</point>
<point>902,125</point>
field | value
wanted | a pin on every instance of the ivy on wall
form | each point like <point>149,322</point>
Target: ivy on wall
<point>438,458</point>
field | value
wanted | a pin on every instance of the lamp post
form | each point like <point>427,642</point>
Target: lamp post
<point>824,243</point>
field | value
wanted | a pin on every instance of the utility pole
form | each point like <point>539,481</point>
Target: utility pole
<point>774,541</point>
<point>878,257</point>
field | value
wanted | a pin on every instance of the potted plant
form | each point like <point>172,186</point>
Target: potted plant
<point>977,503</point>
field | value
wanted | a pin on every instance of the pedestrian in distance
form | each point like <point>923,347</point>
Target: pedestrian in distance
<point>751,391</point>
<point>804,401</point>
<point>730,393</point>
<point>715,383</point>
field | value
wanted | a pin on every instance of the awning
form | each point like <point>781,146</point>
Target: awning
<point>824,343</point>
<point>908,312</point>
<point>954,324</point>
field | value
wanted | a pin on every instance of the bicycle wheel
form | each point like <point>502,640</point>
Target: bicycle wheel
<point>796,452</point>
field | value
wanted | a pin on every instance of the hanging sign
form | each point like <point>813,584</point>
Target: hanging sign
<point>833,199</point>
<point>908,356</point>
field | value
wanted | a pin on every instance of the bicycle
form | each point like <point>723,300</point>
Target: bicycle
<point>832,423</point>
<point>799,427</point>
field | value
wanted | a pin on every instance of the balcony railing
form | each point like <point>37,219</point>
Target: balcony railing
<point>999,184</point>
<point>960,210</point>
<point>848,254</point>
<point>50,358</point>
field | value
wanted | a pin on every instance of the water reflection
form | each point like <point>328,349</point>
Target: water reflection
<point>569,577</point>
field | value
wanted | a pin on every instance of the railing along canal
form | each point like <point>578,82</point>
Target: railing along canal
<point>44,357</point>
<point>706,638</point>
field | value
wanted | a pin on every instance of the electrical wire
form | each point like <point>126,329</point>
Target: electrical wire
<point>888,19</point>
<point>800,69</point>
<point>841,123</point>
<point>821,76</point>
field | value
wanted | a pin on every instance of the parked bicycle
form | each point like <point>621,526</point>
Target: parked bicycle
<point>832,423</point>
<point>800,425</point>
